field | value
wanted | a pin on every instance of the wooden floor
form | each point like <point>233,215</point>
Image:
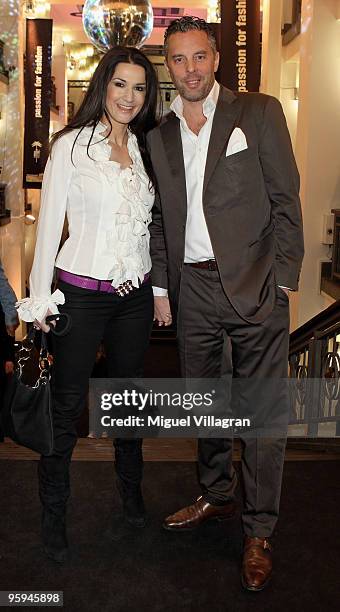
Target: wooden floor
<point>160,449</point>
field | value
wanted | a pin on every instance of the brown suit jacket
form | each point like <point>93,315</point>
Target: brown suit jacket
<point>250,201</point>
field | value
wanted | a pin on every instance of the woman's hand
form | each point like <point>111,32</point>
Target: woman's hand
<point>42,324</point>
<point>162,312</point>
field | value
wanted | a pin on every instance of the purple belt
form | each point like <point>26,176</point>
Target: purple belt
<point>90,283</point>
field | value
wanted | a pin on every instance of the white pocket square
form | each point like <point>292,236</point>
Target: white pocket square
<point>237,142</point>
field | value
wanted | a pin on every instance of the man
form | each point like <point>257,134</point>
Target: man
<point>6,362</point>
<point>226,242</point>
<point>7,301</point>
<point>8,323</point>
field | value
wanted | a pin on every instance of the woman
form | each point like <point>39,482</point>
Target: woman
<point>99,174</point>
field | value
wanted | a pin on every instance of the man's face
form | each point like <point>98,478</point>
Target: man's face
<point>192,64</point>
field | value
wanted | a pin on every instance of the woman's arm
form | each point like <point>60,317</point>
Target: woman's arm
<point>56,182</point>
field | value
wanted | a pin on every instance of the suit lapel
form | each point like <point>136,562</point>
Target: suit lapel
<point>172,141</point>
<point>225,118</point>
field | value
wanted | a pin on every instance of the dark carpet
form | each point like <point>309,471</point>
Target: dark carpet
<point>114,568</point>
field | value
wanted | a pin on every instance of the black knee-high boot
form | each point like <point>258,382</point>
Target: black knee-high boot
<point>54,536</point>
<point>54,488</point>
<point>129,471</point>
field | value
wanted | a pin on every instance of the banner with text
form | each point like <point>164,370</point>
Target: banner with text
<point>240,45</point>
<point>37,100</point>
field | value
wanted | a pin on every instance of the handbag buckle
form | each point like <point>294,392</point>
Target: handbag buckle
<point>44,367</point>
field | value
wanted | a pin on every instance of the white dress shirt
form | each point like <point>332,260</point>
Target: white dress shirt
<point>195,148</point>
<point>108,211</point>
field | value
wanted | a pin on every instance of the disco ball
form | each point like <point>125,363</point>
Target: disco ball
<point>108,23</point>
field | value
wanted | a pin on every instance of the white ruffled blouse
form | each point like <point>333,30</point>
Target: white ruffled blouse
<point>108,210</point>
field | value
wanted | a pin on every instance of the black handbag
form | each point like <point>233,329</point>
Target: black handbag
<point>28,412</point>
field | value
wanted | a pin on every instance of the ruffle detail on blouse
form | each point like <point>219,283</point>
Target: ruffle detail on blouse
<point>129,269</point>
<point>125,245</point>
<point>33,308</point>
<point>131,224</point>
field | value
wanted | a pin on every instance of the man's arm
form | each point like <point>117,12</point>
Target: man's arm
<point>282,183</point>
<point>159,271</point>
<point>159,258</point>
<point>8,300</point>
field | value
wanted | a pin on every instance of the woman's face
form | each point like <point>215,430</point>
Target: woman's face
<point>126,92</point>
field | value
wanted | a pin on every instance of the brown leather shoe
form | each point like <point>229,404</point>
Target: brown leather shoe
<point>201,511</point>
<point>257,563</point>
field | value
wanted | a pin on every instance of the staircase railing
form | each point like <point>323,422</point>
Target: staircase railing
<point>314,369</point>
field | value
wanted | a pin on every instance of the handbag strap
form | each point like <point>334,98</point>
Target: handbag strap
<point>58,329</point>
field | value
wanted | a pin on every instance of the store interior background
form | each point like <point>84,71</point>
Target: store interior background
<point>304,74</point>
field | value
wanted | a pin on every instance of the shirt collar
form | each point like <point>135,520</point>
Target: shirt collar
<point>209,103</point>
<point>100,130</point>
<point>100,146</point>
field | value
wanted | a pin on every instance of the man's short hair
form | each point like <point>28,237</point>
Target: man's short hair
<point>187,23</point>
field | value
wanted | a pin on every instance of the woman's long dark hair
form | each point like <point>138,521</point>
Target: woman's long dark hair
<point>93,106</point>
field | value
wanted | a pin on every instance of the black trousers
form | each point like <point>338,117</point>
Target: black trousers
<point>124,325</point>
<point>214,340</point>
<point>2,391</point>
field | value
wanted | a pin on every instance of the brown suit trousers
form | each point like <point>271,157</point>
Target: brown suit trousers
<point>214,340</point>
